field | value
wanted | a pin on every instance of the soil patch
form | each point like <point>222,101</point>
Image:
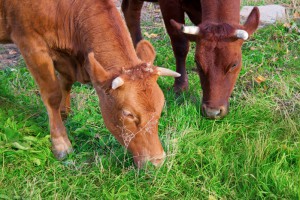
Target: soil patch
<point>9,55</point>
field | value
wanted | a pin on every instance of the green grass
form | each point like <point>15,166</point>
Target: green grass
<point>253,153</point>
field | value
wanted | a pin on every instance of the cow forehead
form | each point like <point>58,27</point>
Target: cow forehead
<point>217,57</point>
<point>145,89</point>
<point>140,90</point>
<point>213,49</point>
<point>139,94</point>
<point>141,71</point>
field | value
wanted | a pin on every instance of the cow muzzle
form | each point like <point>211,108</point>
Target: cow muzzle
<point>157,161</point>
<point>214,112</point>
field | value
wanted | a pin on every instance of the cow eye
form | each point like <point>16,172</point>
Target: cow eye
<point>130,117</point>
<point>128,114</point>
<point>233,66</point>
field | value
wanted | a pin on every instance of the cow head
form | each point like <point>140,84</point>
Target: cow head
<point>131,104</point>
<point>219,60</point>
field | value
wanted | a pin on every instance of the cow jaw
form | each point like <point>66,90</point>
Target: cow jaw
<point>142,139</point>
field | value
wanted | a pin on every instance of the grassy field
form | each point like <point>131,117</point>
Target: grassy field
<point>253,153</point>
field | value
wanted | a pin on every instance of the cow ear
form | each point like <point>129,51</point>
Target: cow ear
<point>252,21</point>
<point>145,51</point>
<point>96,71</point>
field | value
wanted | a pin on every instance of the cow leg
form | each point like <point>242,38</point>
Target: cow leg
<point>41,67</point>
<point>180,47</point>
<point>67,76</point>
<point>180,43</point>
<point>132,14</point>
<point>65,104</point>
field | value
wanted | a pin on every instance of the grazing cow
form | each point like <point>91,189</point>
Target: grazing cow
<point>87,40</point>
<point>218,36</point>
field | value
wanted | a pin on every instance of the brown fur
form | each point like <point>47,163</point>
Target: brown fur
<point>210,31</point>
<point>216,46</point>
<point>87,40</point>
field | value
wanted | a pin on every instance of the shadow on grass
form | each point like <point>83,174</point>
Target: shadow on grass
<point>190,97</point>
<point>88,146</point>
<point>10,103</point>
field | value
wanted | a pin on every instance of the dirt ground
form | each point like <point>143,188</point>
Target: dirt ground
<point>10,54</point>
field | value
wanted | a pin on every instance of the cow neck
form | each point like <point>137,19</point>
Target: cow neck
<point>104,33</point>
<point>221,11</point>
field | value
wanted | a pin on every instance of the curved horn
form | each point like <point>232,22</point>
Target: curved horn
<point>241,34</point>
<point>193,30</point>
<point>117,82</point>
<point>167,72</point>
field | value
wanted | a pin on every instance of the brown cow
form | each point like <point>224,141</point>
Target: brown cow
<point>87,40</point>
<point>218,36</point>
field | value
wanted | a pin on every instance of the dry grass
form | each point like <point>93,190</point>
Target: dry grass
<point>291,5</point>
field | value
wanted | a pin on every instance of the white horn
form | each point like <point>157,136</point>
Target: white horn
<point>167,72</point>
<point>193,30</point>
<point>117,82</point>
<point>241,34</point>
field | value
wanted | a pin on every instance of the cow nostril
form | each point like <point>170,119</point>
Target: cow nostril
<point>214,112</point>
<point>159,161</point>
<point>217,112</point>
<point>222,111</point>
